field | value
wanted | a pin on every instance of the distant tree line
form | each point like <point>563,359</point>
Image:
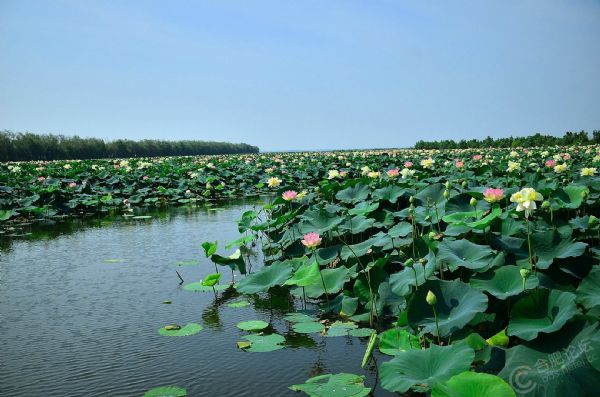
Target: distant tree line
<point>21,146</point>
<point>569,138</point>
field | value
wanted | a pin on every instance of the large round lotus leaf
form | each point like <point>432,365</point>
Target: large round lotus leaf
<point>503,282</point>
<point>264,343</point>
<point>457,304</point>
<point>211,280</point>
<point>541,311</point>
<point>361,332</point>
<point>389,193</point>
<point>549,245</point>
<point>186,330</point>
<point>588,292</point>
<point>425,368</point>
<point>401,229</point>
<point>166,391</point>
<point>338,385</point>
<point>200,287</point>
<point>364,208</point>
<point>252,325</point>
<point>357,224</point>
<point>396,340</point>
<point>564,363</point>
<point>473,384</point>
<point>306,274</point>
<point>457,253</point>
<point>353,194</point>
<point>265,278</point>
<point>308,327</point>
<point>319,221</point>
<point>334,281</point>
<point>432,194</point>
<point>568,197</point>
<point>405,280</point>
<point>298,318</point>
<point>461,203</point>
<point>340,328</point>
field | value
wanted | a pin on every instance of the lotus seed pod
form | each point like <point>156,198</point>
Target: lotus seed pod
<point>592,220</point>
<point>431,298</point>
<point>464,184</point>
<point>473,202</point>
<point>546,204</point>
<point>446,194</point>
<point>524,273</point>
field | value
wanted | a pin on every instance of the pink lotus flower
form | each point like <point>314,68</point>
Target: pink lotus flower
<point>343,173</point>
<point>492,195</point>
<point>566,156</point>
<point>289,195</point>
<point>408,164</point>
<point>393,173</point>
<point>311,240</point>
<point>459,164</point>
<point>72,185</point>
<point>477,157</point>
<point>41,179</point>
<point>550,163</point>
<point>145,177</point>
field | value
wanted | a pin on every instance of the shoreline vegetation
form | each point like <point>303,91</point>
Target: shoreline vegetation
<point>27,146</point>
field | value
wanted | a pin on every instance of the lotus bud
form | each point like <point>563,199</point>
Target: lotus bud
<point>431,235</point>
<point>411,199</point>
<point>447,184</point>
<point>473,202</point>
<point>431,298</point>
<point>446,193</point>
<point>464,184</point>
<point>546,204</point>
<point>524,273</point>
<point>592,220</point>
<point>409,263</point>
<point>423,261</point>
<point>584,194</point>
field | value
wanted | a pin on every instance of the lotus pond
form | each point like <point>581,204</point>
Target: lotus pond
<point>455,273</point>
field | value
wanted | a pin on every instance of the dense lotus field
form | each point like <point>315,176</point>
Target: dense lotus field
<point>476,272</point>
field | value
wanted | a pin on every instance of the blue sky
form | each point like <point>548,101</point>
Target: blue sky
<point>300,74</point>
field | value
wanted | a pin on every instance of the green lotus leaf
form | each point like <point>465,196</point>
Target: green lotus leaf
<point>319,221</point>
<point>564,363</point>
<point>211,279</point>
<point>334,282</point>
<point>541,311</point>
<point>588,292</point>
<point>238,304</point>
<point>357,224</point>
<point>200,287</point>
<point>361,332</point>
<point>457,304</point>
<point>499,339</point>
<point>113,260</point>
<point>209,248</point>
<point>473,384</point>
<point>548,246</point>
<point>191,262</point>
<point>403,281</point>
<point>252,325</point>
<point>353,194</point>
<point>432,194</point>
<point>264,343</point>
<point>340,328</point>
<point>463,253</point>
<point>503,282</point>
<point>186,330</point>
<point>166,391</point>
<point>334,385</point>
<point>307,274</point>
<point>396,340</point>
<point>364,208</point>
<point>298,318</point>
<point>568,197</point>
<point>425,368</point>
<point>401,229</point>
<point>265,278</point>
<point>389,193</point>
<point>308,327</point>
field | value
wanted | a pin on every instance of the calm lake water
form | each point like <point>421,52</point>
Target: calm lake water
<point>73,325</point>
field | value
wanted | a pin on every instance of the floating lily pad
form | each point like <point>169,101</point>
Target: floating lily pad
<point>334,385</point>
<point>166,391</point>
<point>191,262</point>
<point>113,260</point>
<point>340,328</point>
<point>141,217</point>
<point>396,340</point>
<point>167,302</point>
<point>361,332</point>
<point>298,317</point>
<point>262,343</point>
<point>199,287</point>
<point>252,325</point>
<point>176,330</point>
<point>308,327</point>
<point>238,304</point>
